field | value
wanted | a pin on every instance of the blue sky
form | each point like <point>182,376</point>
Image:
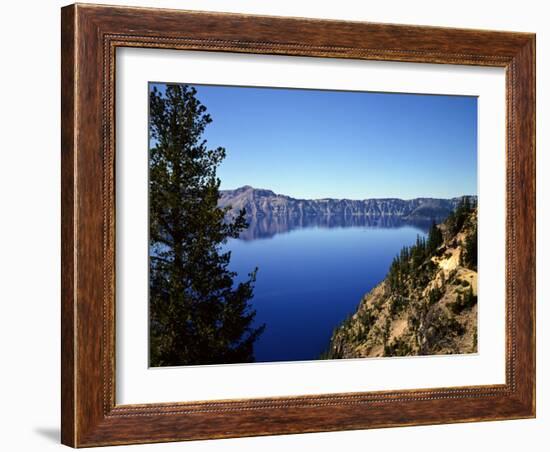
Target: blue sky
<point>342,144</point>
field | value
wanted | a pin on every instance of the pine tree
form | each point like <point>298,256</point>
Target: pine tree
<point>456,220</point>
<point>469,298</point>
<point>197,313</point>
<point>435,238</point>
<point>470,250</point>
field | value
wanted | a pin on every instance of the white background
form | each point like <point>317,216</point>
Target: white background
<point>29,393</point>
<point>138,384</point>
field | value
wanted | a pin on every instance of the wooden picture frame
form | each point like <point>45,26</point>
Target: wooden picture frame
<point>90,35</point>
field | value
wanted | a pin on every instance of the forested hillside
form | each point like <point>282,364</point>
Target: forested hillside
<point>427,304</point>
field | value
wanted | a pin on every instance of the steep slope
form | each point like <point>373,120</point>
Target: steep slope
<point>259,203</point>
<point>427,304</point>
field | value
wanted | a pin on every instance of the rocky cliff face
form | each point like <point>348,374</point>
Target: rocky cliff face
<point>260,203</point>
<point>427,304</point>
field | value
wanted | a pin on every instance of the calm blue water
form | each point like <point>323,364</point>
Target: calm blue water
<point>309,279</point>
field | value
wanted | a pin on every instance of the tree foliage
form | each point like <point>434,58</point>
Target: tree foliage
<point>469,257</point>
<point>463,301</point>
<point>198,314</point>
<point>413,262</point>
<point>455,221</point>
<point>435,238</point>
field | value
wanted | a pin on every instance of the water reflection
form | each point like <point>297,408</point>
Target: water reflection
<point>269,226</point>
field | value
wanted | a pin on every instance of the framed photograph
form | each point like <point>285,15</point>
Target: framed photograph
<point>281,225</point>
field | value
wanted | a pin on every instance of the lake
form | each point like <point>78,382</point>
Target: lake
<point>312,274</point>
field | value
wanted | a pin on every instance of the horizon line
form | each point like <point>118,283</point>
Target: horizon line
<point>347,199</point>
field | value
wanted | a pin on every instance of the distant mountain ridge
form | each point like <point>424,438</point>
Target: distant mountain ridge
<point>260,203</point>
